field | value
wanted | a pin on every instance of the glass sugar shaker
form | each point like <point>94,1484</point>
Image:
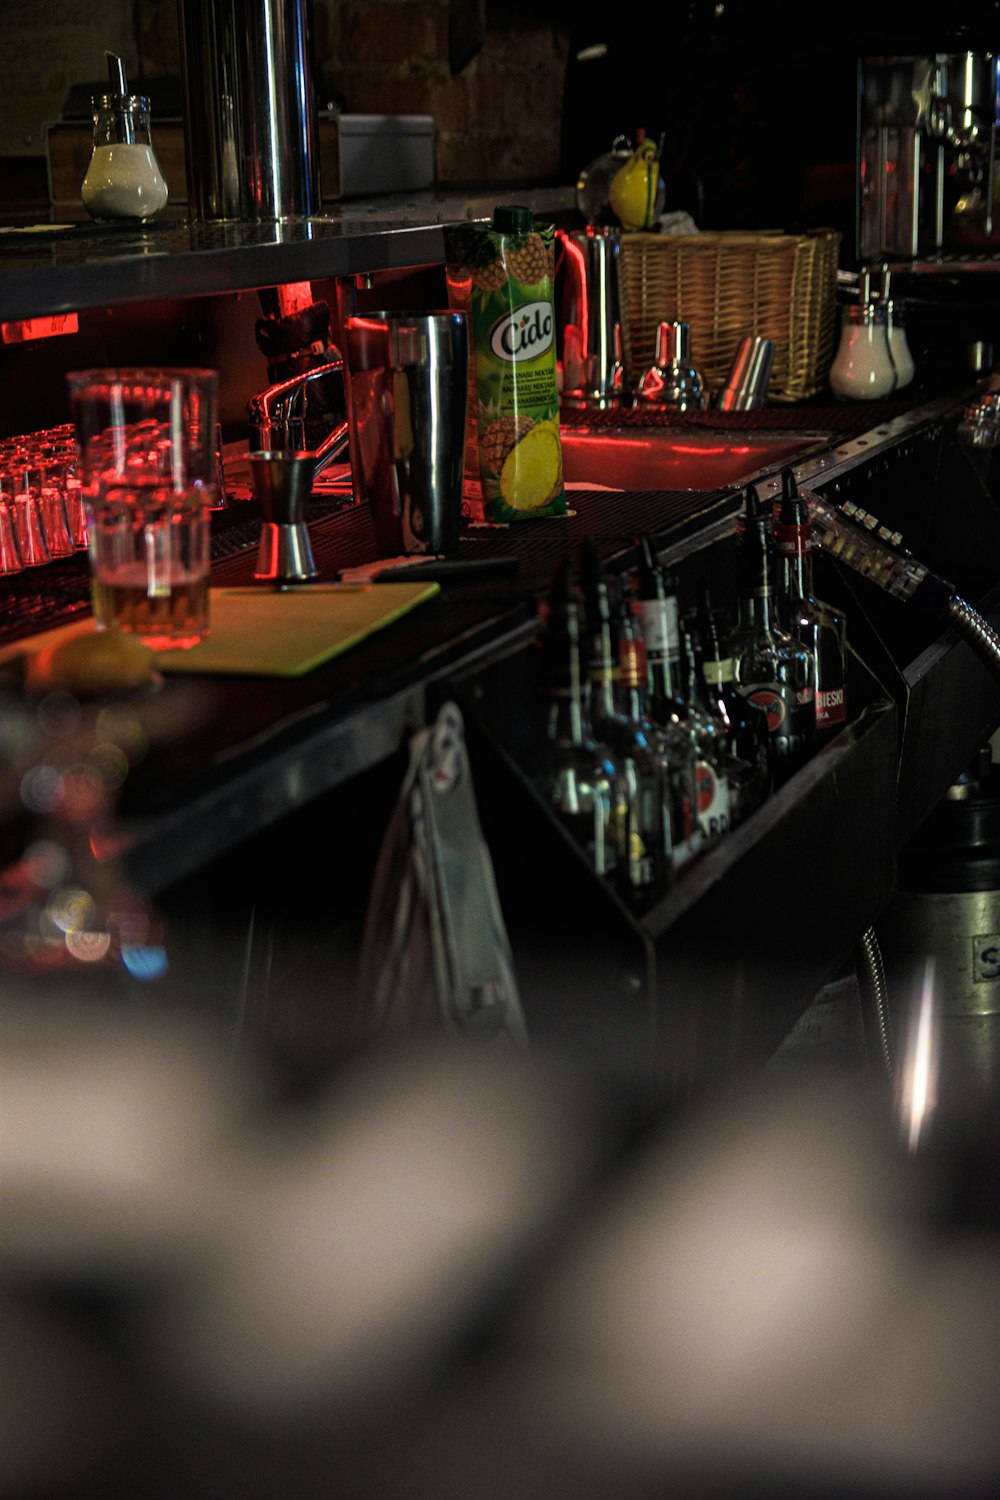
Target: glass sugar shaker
<point>123,179</point>
<point>862,369</point>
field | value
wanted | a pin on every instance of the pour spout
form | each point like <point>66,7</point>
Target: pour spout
<point>116,73</point>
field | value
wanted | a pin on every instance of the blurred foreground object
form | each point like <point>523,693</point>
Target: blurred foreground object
<point>370,1291</point>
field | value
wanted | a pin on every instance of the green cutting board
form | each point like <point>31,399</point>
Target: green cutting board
<point>266,632</point>
<point>285,633</point>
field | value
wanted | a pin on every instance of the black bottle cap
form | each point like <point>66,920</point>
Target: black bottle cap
<point>594,583</point>
<point>512,218</point>
<point>561,635</point>
<point>793,508</point>
<point>591,567</point>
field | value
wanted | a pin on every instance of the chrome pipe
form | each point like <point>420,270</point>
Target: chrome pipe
<point>978,632</point>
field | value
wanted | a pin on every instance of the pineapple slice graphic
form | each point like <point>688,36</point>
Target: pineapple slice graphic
<point>532,471</point>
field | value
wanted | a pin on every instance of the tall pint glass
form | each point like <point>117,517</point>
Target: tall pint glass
<point>148,464</point>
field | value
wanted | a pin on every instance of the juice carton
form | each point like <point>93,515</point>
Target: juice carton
<point>501,276</point>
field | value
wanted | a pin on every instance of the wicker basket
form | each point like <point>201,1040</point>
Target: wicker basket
<point>730,284</point>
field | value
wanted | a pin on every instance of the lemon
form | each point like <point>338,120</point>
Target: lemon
<point>101,661</point>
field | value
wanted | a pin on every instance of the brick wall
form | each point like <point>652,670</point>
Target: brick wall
<point>498,121</point>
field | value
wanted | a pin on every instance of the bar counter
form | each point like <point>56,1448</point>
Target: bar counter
<point>250,784</point>
<point>236,764</point>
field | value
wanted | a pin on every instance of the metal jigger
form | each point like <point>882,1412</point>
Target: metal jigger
<point>282,484</point>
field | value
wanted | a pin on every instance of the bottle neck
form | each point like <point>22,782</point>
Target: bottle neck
<point>565,717</point>
<point>756,601</point>
<point>792,547</point>
<point>700,686</point>
<point>602,673</point>
<point>688,670</point>
<point>716,670</point>
<point>563,677</point>
<point>633,670</point>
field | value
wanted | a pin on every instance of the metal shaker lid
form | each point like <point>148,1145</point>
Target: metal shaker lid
<point>747,381</point>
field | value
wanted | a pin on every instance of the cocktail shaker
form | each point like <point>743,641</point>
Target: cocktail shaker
<point>406,391</point>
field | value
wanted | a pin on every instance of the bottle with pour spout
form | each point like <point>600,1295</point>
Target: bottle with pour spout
<point>770,668</point>
<point>123,179</point>
<point>581,778</point>
<point>809,620</point>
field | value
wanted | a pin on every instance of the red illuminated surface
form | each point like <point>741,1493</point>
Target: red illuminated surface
<point>25,330</point>
<point>294,296</point>
<point>666,461</point>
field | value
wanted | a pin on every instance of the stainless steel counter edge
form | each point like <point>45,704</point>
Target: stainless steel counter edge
<point>90,266</point>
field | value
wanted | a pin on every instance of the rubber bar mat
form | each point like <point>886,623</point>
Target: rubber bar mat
<point>343,536</point>
<point>836,420</point>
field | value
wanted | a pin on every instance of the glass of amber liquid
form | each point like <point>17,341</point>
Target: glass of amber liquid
<point>146,440</point>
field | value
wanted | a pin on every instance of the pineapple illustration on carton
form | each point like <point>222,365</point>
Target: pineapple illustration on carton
<point>502,277</point>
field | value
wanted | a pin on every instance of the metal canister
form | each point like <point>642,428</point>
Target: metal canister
<point>945,923</point>
<point>250,123</point>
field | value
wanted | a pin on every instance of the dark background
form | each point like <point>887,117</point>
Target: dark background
<point>757,104</point>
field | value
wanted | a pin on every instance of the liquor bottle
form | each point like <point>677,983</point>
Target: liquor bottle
<point>746,731</point>
<point>771,668</point>
<point>657,608</point>
<point>647,867</point>
<point>814,623</point>
<point>716,768</point>
<point>679,787</point>
<point>581,778</point>
<point>656,611</point>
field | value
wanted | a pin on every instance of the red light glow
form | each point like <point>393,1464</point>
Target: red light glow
<point>26,330</point>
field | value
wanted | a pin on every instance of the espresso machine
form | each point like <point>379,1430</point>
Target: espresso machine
<point>927,154</point>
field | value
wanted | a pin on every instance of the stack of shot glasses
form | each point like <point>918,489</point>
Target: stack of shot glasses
<point>42,515</point>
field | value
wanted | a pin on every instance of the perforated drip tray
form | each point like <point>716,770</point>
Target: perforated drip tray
<point>343,536</point>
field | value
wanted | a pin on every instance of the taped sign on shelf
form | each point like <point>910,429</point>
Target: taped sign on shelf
<point>26,330</point>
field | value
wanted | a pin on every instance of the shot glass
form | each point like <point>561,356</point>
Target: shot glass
<point>27,513</point>
<point>146,439</point>
<point>10,551</point>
